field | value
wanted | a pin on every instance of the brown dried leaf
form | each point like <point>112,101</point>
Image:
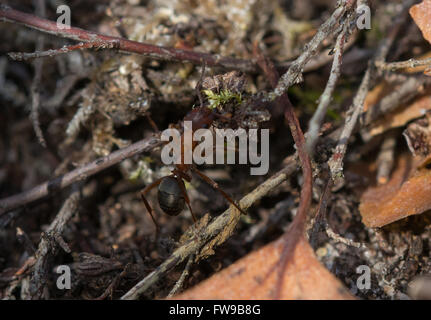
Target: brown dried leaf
<point>401,116</point>
<point>376,94</point>
<point>256,276</point>
<point>421,14</point>
<point>407,193</point>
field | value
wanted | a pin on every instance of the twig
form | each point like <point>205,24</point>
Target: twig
<point>385,159</point>
<point>352,114</point>
<point>35,94</point>
<point>411,63</point>
<point>48,244</point>
<point>21,56</point>
<point>336,161</point>
<point>297,227</point>
<point>294,74</point>
<point>337,238</point>
<point>319,221</point>
<point>110,289</point>
<point>158,52</point>
<point>79,174</point>
<point>226,221</point>
<point>23,238</point>
<point>325,98</point>
<point>183,277</point>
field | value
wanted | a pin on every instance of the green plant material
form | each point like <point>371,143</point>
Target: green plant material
<point>309,99</point>
<point>141,171</point>
<point>333,114</point>
<point>217,100</point>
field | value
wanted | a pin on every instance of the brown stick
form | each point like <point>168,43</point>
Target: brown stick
<point>297,227</point>
<point>158,52</point>
<point>79,174</point>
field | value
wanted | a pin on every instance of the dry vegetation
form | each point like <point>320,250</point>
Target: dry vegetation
<point>349,114</point>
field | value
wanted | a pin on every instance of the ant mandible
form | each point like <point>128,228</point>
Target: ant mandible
<point>172,192</point>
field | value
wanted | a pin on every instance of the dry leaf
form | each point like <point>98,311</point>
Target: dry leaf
<point>407,193</point>
<point>256,276</point>
<point>421,14</point>
<point>401,116</point>
<point>376,94</point>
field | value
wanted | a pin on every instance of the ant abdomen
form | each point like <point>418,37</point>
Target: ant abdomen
<point>170,196</point>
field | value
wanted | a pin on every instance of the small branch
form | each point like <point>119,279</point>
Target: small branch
<point>337,238</point>
<point>79,174</point>
<point>158,52</point>
<point>294,74</point>
<point>352,115</point>
<point>38,67</point>
<point>20,56</point>
<point>179,284</point>
<point>23,238</point>
<point>336,161</point>
<point>385,159</point>
<point>48,244</point>
<point>226,221</point>
<point>325,98</point>
<point>297,227</point>
<point>411,63</point>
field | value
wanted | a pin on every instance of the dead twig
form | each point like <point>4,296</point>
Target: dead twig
<point>411,63</point>
<point>48,243</point>
<point>179,284</point>
<point>157,52</point>
<point>79,174</point>
<point>21,56</point>
<point>35,94</point>
<point>336,161</point>
<point>352,114</point>
<point>325,98</point>
<point>297,227</point>
<point>294,74</point>
<point>385,159</point>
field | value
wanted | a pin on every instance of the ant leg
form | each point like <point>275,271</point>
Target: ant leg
<point>152,123</point>
<point>216,186</point>
<point>186,197</point>
<point>147,205</point>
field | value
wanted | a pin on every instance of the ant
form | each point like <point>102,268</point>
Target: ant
<point>172,193</point>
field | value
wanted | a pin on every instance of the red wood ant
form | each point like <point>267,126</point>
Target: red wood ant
<point>172,193</point>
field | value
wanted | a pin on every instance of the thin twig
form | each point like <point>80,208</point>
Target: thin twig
<point>338,238</point>
<point>21,56</point>
<point>385,159</point>
<point>158,52</point>
<point>325,98</point>
<point>227,220</point>
<point>294,74</point>
<point>38,67</point>
<point>179,284</point>
<point>297,228</point>
<point>411,63</point>
<point>336,161</point>
<point>79,174</point>
<point>48,244</point>
<point>352,114</point>
<point>23,238</point>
